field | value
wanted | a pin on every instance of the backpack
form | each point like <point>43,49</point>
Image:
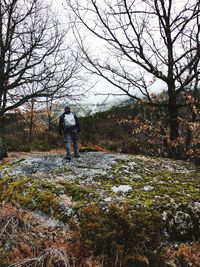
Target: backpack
<point>69,120</point>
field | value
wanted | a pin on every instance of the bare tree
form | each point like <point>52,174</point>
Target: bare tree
<point>29,116</point>
<point>32,51</point>
<point>143,42</point>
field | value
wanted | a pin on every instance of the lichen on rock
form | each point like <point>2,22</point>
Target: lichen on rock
<point>102,178</point>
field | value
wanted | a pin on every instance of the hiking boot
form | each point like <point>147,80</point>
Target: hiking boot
<point>68,157</point>
<point>77,156</point>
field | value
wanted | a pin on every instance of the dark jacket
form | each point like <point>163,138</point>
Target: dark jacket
<point>71,128</point>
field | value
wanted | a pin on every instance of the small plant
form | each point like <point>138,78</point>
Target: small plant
<point>123,236</point>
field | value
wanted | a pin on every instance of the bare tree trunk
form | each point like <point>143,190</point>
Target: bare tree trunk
<point>31,122</point>
<point>173,122</point>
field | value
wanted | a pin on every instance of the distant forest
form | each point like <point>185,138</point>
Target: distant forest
<point>132,127</point>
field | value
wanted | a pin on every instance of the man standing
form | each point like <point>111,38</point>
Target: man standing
<point>70,127</point>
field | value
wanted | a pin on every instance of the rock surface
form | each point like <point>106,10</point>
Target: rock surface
<point>171,187</point>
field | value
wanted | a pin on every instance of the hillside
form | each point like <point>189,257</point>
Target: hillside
<point>65,213</point>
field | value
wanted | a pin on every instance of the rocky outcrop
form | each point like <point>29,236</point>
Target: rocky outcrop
<point>170,187</point>
<point>117,198</point>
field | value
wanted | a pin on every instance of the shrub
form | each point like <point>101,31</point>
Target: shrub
<point>122,236</point>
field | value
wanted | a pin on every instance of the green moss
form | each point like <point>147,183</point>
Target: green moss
<point>79,193</point>
<point>168,187</point>
<point>48,202</point>
<point>25,192</point>
<point>3,166</point>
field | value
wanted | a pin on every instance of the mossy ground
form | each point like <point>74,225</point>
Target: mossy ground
<point>154,183</point>
<point>83,190</point>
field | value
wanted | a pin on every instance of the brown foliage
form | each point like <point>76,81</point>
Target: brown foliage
<point>185,255</point>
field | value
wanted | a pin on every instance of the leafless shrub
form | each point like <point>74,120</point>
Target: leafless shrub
<point>49,257</point>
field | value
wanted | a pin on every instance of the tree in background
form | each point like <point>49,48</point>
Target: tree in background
<point>51,107</point>
<point>35,60</point>
<point>37,120</point>
<point>28,116</point>
<point>32,52</point>
<point>144,42</point>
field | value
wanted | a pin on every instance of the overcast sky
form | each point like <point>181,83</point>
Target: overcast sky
<point>101,86</point>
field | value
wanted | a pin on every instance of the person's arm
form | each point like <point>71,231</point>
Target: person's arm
<point>60,126</point>
<point>77,124</point>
